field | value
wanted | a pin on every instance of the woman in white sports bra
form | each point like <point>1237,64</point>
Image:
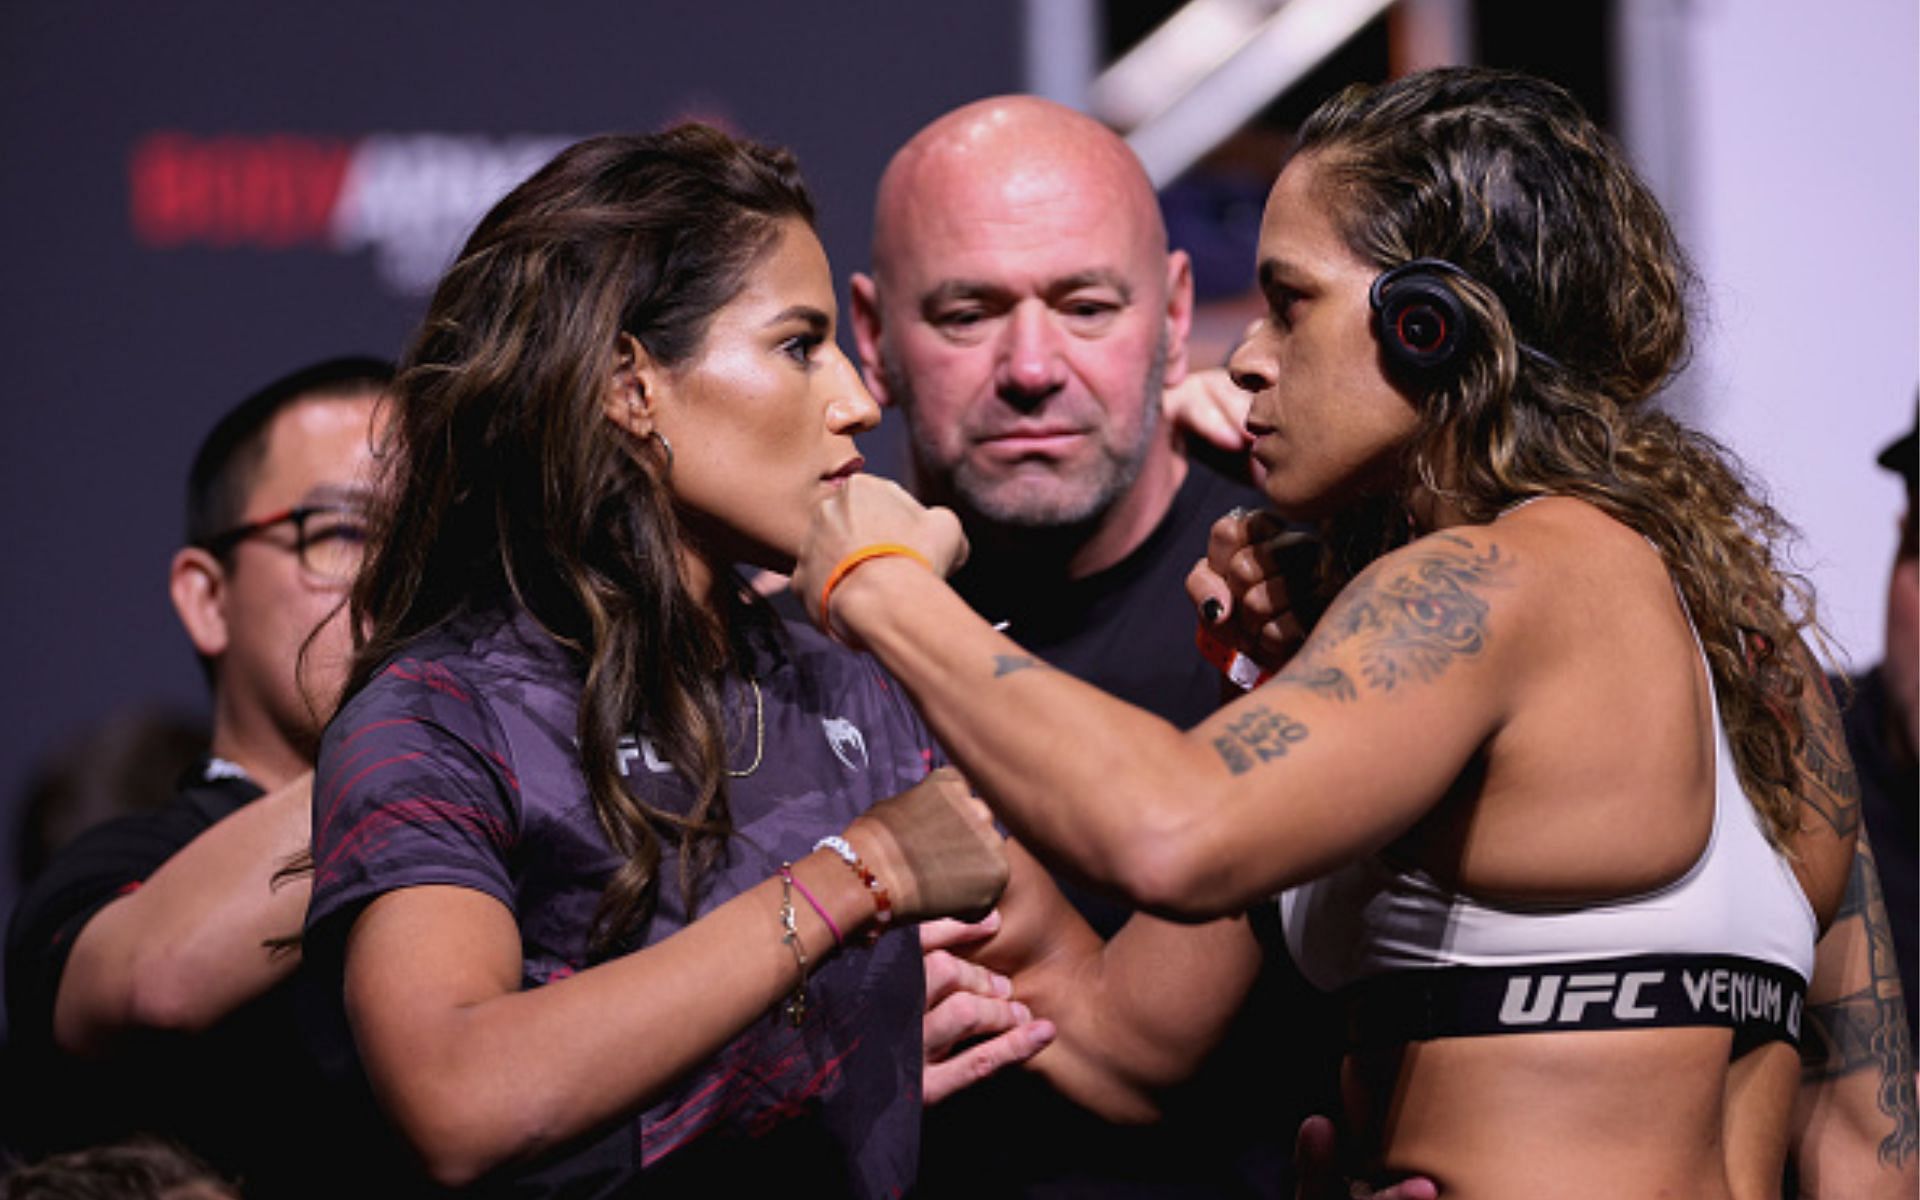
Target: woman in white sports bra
<point>1553,790</point>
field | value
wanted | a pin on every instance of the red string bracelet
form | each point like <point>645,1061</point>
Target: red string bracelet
<point>866,554</point>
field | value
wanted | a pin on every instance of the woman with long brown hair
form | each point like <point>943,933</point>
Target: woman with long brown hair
<point>1551,792</point>
<point>602,850</point>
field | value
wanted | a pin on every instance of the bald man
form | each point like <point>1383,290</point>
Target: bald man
<point>1025,314</point>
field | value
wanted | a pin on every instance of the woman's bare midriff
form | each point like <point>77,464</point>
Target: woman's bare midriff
<point>1567,1115</point>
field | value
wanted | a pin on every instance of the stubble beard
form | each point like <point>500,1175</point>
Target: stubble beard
<point>1069,498</point>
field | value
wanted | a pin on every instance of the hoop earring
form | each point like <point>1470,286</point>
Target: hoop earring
<point>666,446</point>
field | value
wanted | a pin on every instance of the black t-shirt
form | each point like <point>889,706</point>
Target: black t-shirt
<point>238,1095</point>
<point>1129,630</point>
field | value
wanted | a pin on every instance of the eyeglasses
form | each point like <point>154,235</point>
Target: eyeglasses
<point>328,538</point>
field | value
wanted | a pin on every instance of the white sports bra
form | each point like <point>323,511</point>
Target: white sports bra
<point>1731,942</point>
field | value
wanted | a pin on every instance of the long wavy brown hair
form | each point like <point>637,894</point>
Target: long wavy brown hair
<point>1578,289</point>
<point>505,483</point>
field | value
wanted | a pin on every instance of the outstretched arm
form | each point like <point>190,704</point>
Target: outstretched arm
<point>1137,1013</point>
<point>189,945</point>
<point>1132,1015</point>
<point>1278,787</point>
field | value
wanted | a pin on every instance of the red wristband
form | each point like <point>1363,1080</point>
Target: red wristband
<point>1245,673</point>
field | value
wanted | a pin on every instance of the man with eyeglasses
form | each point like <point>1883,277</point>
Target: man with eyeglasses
<point>141,993</point>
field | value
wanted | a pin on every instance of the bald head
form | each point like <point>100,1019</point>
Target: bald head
<point>1024,314</point>
<point>1012,152</point>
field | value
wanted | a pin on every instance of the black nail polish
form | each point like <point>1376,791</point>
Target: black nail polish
<point>1212,610</point>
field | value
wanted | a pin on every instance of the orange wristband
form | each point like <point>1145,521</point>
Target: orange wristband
<point>865,554</point>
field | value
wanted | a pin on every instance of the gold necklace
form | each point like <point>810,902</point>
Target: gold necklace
<point>759,732</point>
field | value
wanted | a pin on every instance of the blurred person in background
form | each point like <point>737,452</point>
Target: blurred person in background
<point>129,762</point>
<point>1883,726</point>
<point>1856,1131</point>
<point>138,1168</point>
<point>141,992</point>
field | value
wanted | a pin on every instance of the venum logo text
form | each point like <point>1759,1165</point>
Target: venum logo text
<point>1738,997</point>
<point>1743,996</point>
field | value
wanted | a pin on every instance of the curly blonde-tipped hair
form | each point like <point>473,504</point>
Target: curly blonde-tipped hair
<point>1577,287</point>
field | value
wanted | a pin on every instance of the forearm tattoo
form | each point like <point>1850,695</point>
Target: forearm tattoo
<point>1007,664</point>
<point>1256,736</point>
<point>1867,1030</point>
<point>1409,622</point>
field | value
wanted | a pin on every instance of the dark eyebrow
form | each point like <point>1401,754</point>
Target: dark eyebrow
<point>1098,277</point>
<point>948,291</point>
<point>327,494</point>
<point>1277,275</point>
<point>953,290</point>
<point>817,321</point>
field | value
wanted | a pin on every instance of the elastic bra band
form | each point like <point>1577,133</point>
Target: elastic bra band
<point>1759,1001</point>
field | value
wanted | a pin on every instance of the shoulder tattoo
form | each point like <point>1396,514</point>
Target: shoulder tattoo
<point>1407,621</point>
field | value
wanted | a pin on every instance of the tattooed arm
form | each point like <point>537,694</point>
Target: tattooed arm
<point>1854,1121</point>
<point>1280,786</point>
<point>1854,1125</point>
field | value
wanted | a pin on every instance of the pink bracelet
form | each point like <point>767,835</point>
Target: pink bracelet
<point>786,873</point>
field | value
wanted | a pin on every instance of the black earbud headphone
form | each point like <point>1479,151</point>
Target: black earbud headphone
<point>1423,327</point>
<point>1420,322</point>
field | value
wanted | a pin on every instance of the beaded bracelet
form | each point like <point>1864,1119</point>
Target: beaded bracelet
<point>882,902</point>
<point>796,1005</point>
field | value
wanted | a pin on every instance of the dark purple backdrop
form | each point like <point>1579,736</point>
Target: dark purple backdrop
<point>122,346</point>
